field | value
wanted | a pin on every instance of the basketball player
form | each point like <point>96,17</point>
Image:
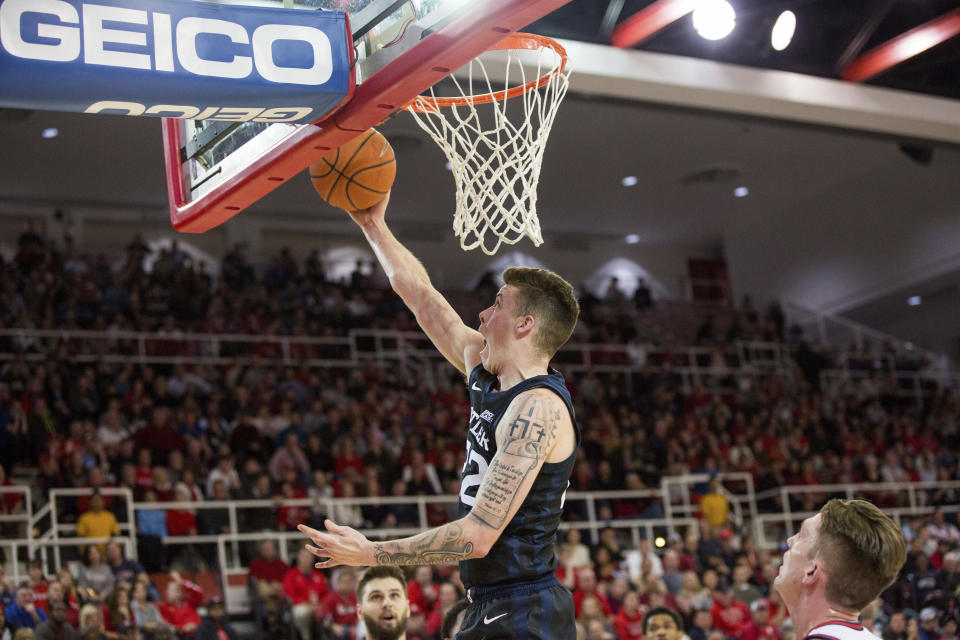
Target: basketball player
<point>837,564</point>
<point>521,447</point>
<point>662,623</point>
<point>382,605</point>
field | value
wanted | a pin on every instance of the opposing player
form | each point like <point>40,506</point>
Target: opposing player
<point>837,564</point>
<point>521,447</point>
<point>382,605</point>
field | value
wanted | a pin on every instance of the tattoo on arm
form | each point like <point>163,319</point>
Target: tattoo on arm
<point>436,546</point>
<point>523,444</point>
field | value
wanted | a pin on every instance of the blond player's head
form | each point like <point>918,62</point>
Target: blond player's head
<point>550,300</point>
<point>850,552</point>
<point>535,310</point>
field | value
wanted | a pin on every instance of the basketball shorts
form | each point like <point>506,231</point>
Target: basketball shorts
<point>540,609</point>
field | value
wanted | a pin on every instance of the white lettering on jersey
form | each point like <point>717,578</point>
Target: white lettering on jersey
<point>477,430</point>
<point>474,479</point>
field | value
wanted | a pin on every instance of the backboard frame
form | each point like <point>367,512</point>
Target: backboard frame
<point>443,50</point>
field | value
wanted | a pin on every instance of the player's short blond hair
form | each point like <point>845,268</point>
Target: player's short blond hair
<point>550,300</point>
<point>862,551</point>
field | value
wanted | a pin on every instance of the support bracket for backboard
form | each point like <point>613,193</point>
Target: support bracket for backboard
<point>480,25</point>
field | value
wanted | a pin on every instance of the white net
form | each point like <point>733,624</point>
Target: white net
<point>495,160</point>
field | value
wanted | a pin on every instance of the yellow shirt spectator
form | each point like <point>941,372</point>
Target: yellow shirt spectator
<point>97,523</point>
<point>714,506</point>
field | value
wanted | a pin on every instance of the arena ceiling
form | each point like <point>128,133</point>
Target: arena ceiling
<point>830,35</point>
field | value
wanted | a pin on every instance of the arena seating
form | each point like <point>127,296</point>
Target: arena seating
<point>668,393</point>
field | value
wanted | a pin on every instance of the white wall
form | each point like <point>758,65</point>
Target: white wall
<point>831,252</point>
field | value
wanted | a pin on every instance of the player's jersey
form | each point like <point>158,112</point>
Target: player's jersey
<point>840,630</point>
<point>525,549</point>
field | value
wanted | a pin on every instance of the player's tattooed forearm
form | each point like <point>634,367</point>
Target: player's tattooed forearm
<point>499,489</point>
<point>436,546</point>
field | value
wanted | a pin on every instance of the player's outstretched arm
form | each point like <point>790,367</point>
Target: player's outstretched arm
<point>534,424</point>
<point>412,283</point>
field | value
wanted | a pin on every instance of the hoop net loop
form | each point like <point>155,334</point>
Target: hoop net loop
<point>496,157</point>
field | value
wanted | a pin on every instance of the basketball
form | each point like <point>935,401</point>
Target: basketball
<point>358,174</point>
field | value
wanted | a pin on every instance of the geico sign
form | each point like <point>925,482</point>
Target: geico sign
<point>65,33</point>
<point>187,112</point>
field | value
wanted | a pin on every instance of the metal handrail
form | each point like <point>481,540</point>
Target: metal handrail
<point>692,365</point>
<point>833,379</point>
<point>852,488</point>
<point>857,330</point>
<point>789,520</point>
<point>676,515</point>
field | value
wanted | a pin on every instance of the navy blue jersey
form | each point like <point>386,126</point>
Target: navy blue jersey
<point>525,549</point>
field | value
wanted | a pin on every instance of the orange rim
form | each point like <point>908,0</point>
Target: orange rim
<point>517,41</point>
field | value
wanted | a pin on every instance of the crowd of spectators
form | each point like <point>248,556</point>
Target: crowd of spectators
<point>253,429</point>
<point>102,599</point>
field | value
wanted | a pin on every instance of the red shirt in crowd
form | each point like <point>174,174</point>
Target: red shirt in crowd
<point>10,498</point>
<point>40,594</point>
<point>302,588</point>
<point>179,615</point>
<point>562,573</point>
<point>272,571</point>
<point>181,523</point>
<point>288,517</point>
<point>73,609</point>
<point>730,619</point>
<point>112,623</point>
<point>629,627</point>
<point>342,463</point>
<point>73,615</point>
<point>144,477</point>
<point>578,596</point>
<point>342,610</point>
<point>418,598</point>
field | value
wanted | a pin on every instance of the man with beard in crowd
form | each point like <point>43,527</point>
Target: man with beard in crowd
<point>382,605</point>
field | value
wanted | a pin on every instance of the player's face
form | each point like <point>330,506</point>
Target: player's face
<point>797,558</point>
<point>662,627</point>
<point>496,326</point>
<point>384,609</point>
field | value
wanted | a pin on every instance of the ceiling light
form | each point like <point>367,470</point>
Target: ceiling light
<point>914,301</point>
<point>783,30</point>
<point>633,238</point>
<point>50,132</point>
<point>714,19</point>
<point>741,192</point>
<point>629,181</point>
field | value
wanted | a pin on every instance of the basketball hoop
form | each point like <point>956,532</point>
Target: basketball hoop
<point>496,162</point>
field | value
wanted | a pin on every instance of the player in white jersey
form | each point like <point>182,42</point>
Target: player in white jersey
<point>838,563</point>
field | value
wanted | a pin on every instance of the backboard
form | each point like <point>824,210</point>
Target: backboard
<point>402,47</point>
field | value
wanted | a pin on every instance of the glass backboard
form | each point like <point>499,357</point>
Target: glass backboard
<point>216,169</point>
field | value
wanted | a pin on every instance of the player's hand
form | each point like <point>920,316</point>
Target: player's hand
<point>376,213</point>
<point>339,546</point>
